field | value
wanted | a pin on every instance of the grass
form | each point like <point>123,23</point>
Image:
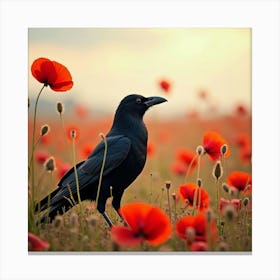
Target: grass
<point>69,233</point>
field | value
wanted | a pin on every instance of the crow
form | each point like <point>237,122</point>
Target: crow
<point>124,161</point>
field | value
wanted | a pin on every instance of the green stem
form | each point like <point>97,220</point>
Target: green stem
<point>32,155</point>
<point>76,178</point>
<point>102,169</point>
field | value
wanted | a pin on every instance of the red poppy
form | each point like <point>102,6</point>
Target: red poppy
<point>36,244</point>
<point>198,226</point>
<point>242,140</point>
<point>187,193</point>
<point>52,73</point>
<point>212,143</point>
<point>199,246</point>
<point>41,156</point>
<point>236,203</point>
<point>239,180</point>
<point>179,168</point>
<point>86,150</point>
<point>145,222</point>
<point>165,85</point>
<point>241,110</point>
<point>187,156</point>
<point>62,169</point>
<point>151,147</point>
<point>245,154</point>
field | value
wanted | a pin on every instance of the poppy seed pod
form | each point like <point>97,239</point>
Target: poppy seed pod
<point>199,150</point>
<point>50,164</point>
<point>245,201</point>
<point>224,149</point>
<point>217,170</point>
<point>45,129</point>
<point>59,107</point>
<point>73,133</point>
<point>168,184</point>
<point>199,182</point>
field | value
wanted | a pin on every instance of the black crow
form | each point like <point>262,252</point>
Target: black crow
<point>125,159</point>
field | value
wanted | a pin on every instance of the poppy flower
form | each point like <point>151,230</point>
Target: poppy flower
<point>86,150</point>
<point>145,222</point>
<point>41,157</point>
<point>36,244</point>
<point>187,156</point>
<point>179,168</point>
<point>239,180</point>
<point>236,203</point>
<point>165,85</point>
<point>212,143</point>
<point>241,110</point>
<point>62,169</point>
<point>199,246</point>
<point>242,140</point>
<point>52,73</point>
<point>151,147</point>
<point>187,193</point>
<point>197,225</point>
<point>245,154</point>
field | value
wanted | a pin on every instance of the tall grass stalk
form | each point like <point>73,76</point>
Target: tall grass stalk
<point>102,167</point>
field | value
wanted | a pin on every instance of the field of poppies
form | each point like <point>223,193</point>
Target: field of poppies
<point>194,194</point>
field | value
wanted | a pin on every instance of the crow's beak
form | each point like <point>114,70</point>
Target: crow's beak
<point>154,100</point>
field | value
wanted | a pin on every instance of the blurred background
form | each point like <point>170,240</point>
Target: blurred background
<point>208,69</point>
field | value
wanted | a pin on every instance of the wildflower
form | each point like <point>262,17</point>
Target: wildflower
<point>41,157</point>
<point>62,169</point>
<point>145,222</point>
<point>187,193</point>
<point>199,246</point>
<point>165,85</point>
<point>36,244</point>
<point>212,143</point>
<point>236,203</point>
<point>199,224</point>
<point>179,168</point>
<point>151,147</point>
<point>188,157</point>
<point>241,110</point>
<point>52,73</point>
<point>239,180</point>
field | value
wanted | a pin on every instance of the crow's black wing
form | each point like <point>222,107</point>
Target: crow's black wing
<point>88,172</point>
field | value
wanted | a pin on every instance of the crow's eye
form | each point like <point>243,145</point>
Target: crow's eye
<point>138,100</point>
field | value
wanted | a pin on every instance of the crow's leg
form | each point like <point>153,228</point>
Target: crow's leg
<point>101,209</point>
<point>116,202</point>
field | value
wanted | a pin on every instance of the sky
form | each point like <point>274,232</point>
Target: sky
<point>107,64</point>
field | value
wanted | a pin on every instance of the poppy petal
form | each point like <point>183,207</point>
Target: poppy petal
<point>157,227</point>
<point>124,236</point>
<point>63,81</point>
<point>43,70</point>
<point>134,214</point>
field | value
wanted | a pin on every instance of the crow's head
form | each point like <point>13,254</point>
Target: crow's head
<point>137,105</point>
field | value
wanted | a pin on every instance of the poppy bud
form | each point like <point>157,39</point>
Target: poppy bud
<point>174,196</point>
<point>59,107</point>
<point>50,164</point>
<point>168,184</point>
<point>229,212</point>
<point>245,201</point>
<point>28,102</point>
<point>199,150</point>
<point>224,149</point>
<point>209,215</point>
<point>73,133</point>
<point>217,170</point>
<point>199,182</point>
<point>225,187</point>
<point>102,136</point>
<point>233,191</point>
<point>44,129</point>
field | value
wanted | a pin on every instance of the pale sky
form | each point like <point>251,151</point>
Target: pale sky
<point>109,63</point>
